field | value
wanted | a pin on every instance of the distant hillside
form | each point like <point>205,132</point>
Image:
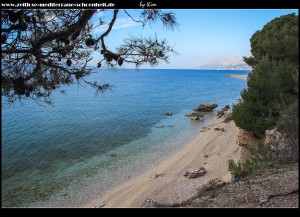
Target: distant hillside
<point>234,64</point>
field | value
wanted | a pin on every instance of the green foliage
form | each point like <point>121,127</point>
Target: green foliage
<point>288,125</point>
<point>234,168</point>
<point>250,166</point>
<point>278,39</point>
<point>248,120</point>
<point>289,119</point>
<point>258,158</point>
<point>275,64</point>
<point>43,50</point>
<point>261,154</point>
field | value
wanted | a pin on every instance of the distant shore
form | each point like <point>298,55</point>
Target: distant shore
<point>166,183</point>
<point>237,76</point>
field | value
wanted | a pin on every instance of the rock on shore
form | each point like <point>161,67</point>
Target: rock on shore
<point>206,107</point>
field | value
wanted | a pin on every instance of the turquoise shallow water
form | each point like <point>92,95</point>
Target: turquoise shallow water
<point>67,154</point>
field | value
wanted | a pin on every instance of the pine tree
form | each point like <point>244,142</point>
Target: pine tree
<point>271,82</point>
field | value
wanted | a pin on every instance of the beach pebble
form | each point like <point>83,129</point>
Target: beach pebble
<point>196,173</point>
<point>219,129</point>
<point>158,175</point>
<point>99,206</point>
<point>263,201</point>
<point>149,203</point>
<point>214,183</point>
<point>204,129</point>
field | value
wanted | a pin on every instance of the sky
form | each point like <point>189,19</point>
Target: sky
<point>204,36</point>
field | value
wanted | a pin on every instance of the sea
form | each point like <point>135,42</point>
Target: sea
<point>86,143</point>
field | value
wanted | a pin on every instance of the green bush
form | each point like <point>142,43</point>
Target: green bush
<point>258,158</point>
<point>288,125</point>
<point>250,166</point>
<point>248,120</point>
<point>234,168</point>
<point>260,155</point>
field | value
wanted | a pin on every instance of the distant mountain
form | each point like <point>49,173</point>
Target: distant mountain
<point>234,64</point>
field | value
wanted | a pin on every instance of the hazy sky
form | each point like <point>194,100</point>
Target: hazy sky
<point>205,36</point>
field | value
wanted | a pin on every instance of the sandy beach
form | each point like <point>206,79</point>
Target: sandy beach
<point>166,184</point>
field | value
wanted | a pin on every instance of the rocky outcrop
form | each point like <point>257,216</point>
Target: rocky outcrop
<point>197,118</point>
<point>213,184</point>
<point>282,151</point>
<point>206,107</point>
<point>222,111</point>
<point>196,173</point>
<point>228,117</point>
<point>246,139</point>
<point>282,183</point>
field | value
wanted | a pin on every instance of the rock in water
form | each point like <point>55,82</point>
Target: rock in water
<point>194,114</point>
<point>197,118</point>
<point>206,107</point>
<point>169,113</point>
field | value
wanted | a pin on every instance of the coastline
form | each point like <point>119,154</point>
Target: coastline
<point>237,76</point>
<point>166,184</point>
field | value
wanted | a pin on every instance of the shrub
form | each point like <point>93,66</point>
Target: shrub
<point>257,159</point>
<point>234,168</point>
<point>288,126</point>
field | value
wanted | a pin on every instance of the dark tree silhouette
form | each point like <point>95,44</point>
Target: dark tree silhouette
<point>42,50</point>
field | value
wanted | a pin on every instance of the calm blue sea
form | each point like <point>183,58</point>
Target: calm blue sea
<point>64,155</point>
